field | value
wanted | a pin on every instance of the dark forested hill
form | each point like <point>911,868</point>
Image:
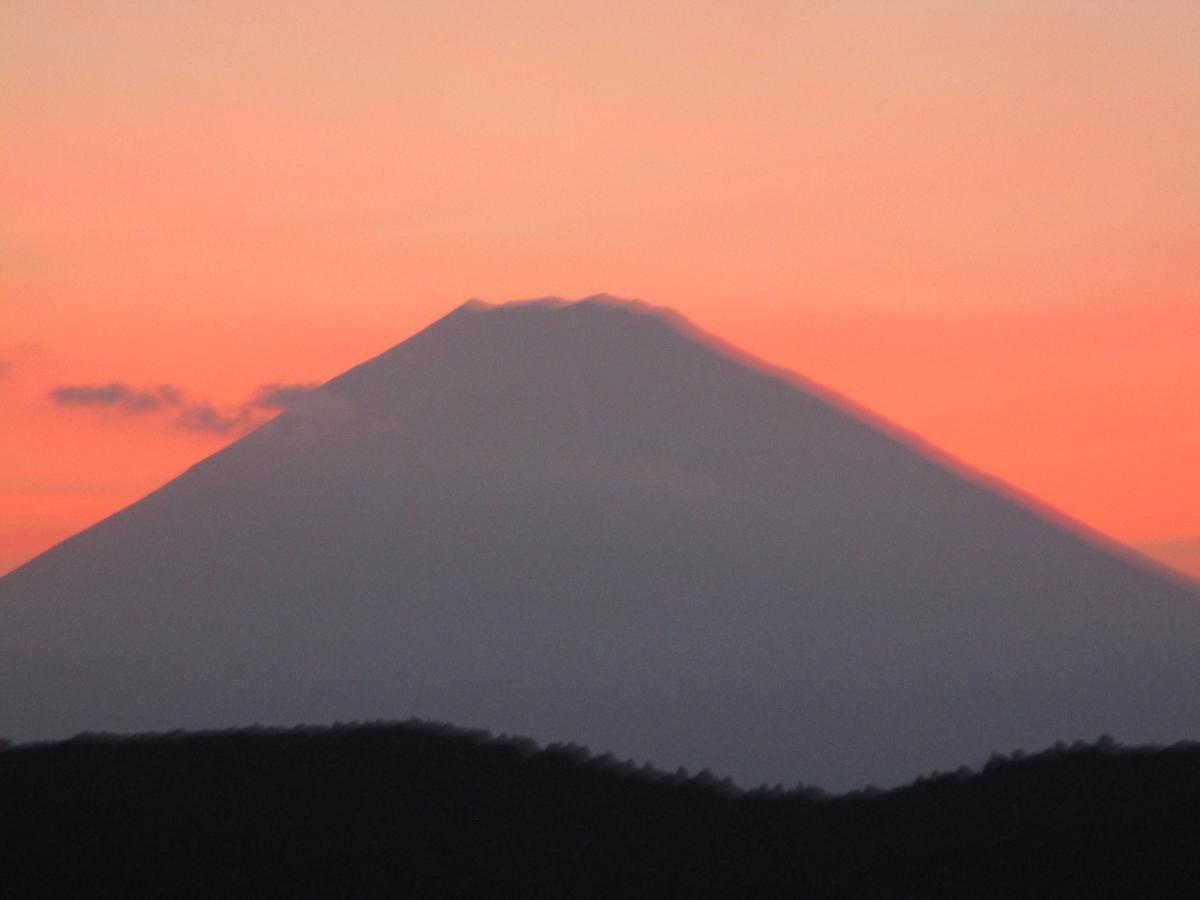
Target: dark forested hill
<point>430,811</point>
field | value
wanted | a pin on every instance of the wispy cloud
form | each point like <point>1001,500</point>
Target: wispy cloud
<point>281,396</point>
<point>117,395</point>
<point>190,413</point>
<point>204,416</point>
<point>5,368</point>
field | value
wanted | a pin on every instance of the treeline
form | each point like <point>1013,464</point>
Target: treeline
<point>424,810</point>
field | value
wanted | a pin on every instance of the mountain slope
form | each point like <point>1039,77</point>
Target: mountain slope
<point>579,522</point>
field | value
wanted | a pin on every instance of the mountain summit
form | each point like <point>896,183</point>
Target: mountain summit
<point>585,522</point>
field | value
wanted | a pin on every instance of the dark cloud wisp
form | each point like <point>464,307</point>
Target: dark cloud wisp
<point>116,395</point>
<point>204,416</point>
<point>191,414</point>
<point>281,396</point>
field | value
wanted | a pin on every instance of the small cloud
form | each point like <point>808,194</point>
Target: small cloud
<point>116,395</point>
<point>203,416</point>
<point>281,396</point>
<point>170,395</point>
<point>191,414</point>
<point>5,368</point>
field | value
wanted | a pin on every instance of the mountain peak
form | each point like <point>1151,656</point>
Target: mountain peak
<point>552,323</point>
<point>556,303</point>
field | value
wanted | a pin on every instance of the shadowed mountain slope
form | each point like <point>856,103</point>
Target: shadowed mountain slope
<point>579,522</point>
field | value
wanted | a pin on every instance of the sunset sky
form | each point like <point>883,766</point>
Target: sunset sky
<point>980,220</point>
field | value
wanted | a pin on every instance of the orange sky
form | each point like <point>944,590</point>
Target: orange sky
<point>981,220</point>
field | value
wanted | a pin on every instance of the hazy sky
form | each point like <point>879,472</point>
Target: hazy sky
<point>981,220</point>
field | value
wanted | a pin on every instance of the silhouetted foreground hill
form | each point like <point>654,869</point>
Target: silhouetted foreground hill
<point>430,811</point>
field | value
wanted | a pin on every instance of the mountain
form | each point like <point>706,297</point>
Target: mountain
<point>586,522</point>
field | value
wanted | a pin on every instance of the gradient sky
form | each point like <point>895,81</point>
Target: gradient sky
<point>980,220</point>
